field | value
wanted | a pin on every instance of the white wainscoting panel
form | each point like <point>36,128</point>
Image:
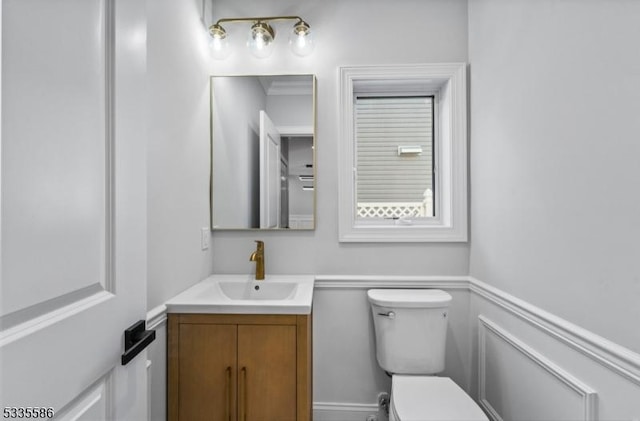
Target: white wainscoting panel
<point>511,370</point>
<point>612,356</point>
<point>157,368</point>
<point>518,361</point>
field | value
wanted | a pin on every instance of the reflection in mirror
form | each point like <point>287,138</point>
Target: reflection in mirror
<point>262,152</point>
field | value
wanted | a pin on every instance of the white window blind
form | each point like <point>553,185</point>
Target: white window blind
<point>387,178</point>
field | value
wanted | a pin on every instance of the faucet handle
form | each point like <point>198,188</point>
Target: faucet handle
<point>260,244</point>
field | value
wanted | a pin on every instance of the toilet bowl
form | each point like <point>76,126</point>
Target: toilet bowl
<point>430,398</point>
<point>410,330</point>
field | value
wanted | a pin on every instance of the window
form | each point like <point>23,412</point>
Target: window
<point>394,156</point>
<point>403,159</point>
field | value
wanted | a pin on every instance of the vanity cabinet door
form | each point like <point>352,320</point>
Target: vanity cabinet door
<point>267,372</point>
<point>207,373</point>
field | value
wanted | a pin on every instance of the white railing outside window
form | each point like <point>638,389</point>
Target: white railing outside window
<point>397,209</point>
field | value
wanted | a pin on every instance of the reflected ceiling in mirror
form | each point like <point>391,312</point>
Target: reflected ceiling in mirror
<point>263,152</point>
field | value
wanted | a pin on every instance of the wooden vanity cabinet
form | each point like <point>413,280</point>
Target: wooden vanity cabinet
<point>239,367</point>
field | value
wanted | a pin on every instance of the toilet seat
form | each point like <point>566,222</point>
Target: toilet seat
<point>430,398</point>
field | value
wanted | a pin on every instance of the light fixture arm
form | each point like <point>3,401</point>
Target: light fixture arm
<point>258,19</point>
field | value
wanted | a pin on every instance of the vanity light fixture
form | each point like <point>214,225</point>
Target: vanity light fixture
<point>262,36</point>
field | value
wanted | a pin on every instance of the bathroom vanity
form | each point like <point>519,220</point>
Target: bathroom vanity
<point>240,349</point>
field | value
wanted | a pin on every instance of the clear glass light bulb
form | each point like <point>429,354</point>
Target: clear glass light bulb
<point>219,48</point>
<point>219,43</point>
<point>301,39</point>
<point>260,40</point>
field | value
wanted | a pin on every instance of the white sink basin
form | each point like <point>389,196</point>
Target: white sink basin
<point>273,290</point>
<point>237,294</point>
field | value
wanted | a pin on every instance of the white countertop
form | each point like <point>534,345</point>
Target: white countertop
<point>242,294</point>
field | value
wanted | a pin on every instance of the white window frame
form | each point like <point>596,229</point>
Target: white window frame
<point>448,82</point>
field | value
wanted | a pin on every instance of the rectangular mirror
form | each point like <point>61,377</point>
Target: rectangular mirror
<point>263,152</point>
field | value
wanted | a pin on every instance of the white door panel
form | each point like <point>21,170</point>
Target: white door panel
<point>93,405</point>
<point>73,206</point>
<point>54,126</point>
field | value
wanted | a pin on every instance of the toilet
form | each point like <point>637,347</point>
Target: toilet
<point>410,330</point>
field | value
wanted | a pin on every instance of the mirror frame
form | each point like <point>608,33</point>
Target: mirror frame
<point>313,145</point>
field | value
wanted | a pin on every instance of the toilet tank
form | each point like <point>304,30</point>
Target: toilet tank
<point>410,329</point>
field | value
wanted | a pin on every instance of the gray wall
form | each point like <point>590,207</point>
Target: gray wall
<point>178,156</point>
<point>345,368</point>
<point>555,93</point>
<point>554,86</point>
<point>178,148</point>
<point>414,22</point>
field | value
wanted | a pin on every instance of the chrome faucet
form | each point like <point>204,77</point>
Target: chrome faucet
<point>258,257</point>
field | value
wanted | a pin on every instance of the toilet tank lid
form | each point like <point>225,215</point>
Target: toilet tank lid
<point>411,298</point>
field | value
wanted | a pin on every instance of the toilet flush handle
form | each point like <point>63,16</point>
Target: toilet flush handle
<point>389,314</point>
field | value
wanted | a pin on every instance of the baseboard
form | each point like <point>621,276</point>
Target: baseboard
<point>333,411</point>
